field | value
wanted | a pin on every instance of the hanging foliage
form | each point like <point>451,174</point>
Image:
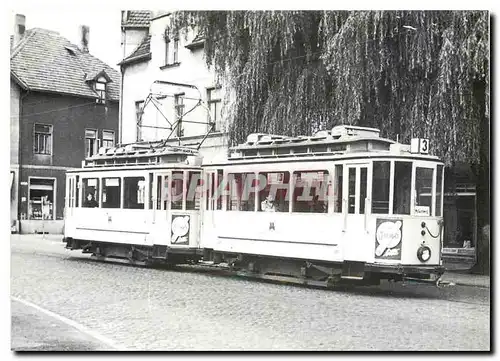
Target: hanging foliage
<point>408,73</point>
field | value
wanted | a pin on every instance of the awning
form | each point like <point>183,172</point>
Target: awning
<point>41,187</point>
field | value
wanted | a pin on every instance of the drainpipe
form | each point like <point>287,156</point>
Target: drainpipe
<point>20,161</point>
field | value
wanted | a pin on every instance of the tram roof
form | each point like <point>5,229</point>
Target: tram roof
<point>142,153</point>
<point>341,140</point>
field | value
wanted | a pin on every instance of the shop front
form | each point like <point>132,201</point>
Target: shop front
<point>42,202</point>
<point>460,232</point>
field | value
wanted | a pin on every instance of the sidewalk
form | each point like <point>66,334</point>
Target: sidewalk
<point>466,279</point>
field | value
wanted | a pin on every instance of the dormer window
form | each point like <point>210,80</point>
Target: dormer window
<point>100,88</point>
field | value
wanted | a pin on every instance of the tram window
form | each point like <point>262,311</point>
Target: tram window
<point>150,186</point>
<point>310,192</point>
<point>402,185</point>
<point>235,186</point>
<point>209,189</point>
<point>439,187</point>
<point>111,192</point>
<point>177,189</point>
<point>158,192</point>
<point>274,196</point>
<point>380,186</point>
<point>134,192</point>
<point>352,190</point>
<point>77,191</point>
<point>162,192</point>
<point>423,187</point>
<point>242,192</point>
<point>218,190</point>
<point>90,189</point>
<point>213,199</point>
<point>193,191</point>
<point>363,189</point>
<point>337,198</point>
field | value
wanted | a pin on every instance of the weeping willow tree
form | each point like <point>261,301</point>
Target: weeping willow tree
<point>408,73</point>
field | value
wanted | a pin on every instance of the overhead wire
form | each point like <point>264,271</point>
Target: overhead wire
<point>53,110</point>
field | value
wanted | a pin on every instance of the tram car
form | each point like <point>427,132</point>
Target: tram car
<point>138,203</point>
<point>344,205</point>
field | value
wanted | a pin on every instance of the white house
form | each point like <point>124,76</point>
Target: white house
<point>163,56</point>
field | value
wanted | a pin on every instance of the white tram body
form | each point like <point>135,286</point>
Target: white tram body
<point>381,214</point>
<point>133,216</point>
<point>342,206</point>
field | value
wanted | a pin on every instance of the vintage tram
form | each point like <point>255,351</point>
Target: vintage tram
<point>131,203</point>
<point>348,206</point>
<point>342,206</point>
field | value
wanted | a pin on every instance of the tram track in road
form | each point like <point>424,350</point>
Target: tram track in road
<point>452,293</point>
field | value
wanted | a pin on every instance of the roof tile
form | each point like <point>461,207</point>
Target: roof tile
<point>44,62</point>
<point>142,51</point>
<point>138,18</point>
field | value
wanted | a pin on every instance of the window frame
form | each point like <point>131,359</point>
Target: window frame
<point>124,202</point>
<point>217,102</point>
<point>395,181</point>
<point>97,193</point>
<point>179,107</point>
<point>96,145</point>
<point>424,167</point>
<point>167,47</point>
<point>175,54</point>
<point>101,92</point>
<point>104,140</point>
<point>101,192</point>
<point>50,136</point>
<point>139,115</point>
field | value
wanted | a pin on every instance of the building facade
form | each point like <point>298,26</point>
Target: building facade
<point>164,56</point>
<point>64,106</point>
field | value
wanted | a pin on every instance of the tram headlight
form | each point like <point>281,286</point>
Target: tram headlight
<point>424,253</point>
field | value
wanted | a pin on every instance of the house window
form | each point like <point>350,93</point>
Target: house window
<point>43,139</point>
<point>179,112</point>
<point>167,48</point>
<point>100,88</point>
<point>214,107</point>
<point>139,111</point>
<point>108,138</point>
<point>171,50</point>
<point>90,142</point>
<point>176,51</point>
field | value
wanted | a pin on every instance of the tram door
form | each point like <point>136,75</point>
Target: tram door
<point>357,182</point>
<point>161,196</point>
<point>71,194</point>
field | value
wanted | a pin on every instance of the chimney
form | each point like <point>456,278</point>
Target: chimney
<point>19,29</point>
<point>125,14</point>
<point>84,38</point>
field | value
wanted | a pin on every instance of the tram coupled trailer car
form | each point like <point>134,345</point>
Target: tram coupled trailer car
<point>346,206</point>
<point>139,204</point>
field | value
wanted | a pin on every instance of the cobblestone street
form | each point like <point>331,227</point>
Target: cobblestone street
<point>156,309</point>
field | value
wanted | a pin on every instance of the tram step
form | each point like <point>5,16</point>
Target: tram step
<point>352,277</point>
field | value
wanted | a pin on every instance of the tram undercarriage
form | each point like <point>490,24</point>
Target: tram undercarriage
<point>323,273</point>
<point>135,254</point>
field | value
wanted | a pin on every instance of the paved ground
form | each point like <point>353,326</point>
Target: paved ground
<point>153,309</point>
<point>33,330</point>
